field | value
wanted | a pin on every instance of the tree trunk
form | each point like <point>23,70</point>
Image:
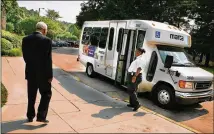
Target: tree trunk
<point>207,60</point>
<point>201,58</point>
<point>3,19</point>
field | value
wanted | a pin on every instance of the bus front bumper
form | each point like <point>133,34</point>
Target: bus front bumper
<point>191,98</point>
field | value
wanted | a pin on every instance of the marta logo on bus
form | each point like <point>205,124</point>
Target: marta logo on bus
<point>176,37</point>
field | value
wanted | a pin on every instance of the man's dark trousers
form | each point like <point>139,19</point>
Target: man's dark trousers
<point>45,90</point>
<point>132,89</point>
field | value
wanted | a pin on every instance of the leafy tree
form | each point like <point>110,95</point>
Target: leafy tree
<point>29,13</point>
<point>74,30</point>
<point>173,12</point>
<point>52,14</point>
<point>203,33</point>
<point>10,27</point>
<point>7,7</point>
<point>53,27</point>
<point>27,25</point>
<point>88,12</point>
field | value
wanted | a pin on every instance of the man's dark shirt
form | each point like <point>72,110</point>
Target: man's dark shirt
<point>37,54</point>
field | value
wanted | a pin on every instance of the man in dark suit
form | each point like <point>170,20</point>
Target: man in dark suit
<point>37,55</point>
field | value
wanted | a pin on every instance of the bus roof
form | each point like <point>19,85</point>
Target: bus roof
<point>142,24</point>
<point>157,32</point>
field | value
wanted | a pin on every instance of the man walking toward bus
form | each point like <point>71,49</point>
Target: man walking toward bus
<point>37,55</point>
<point>134,78</point>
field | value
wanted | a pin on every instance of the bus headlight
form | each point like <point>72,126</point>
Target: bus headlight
<point>185,84</point>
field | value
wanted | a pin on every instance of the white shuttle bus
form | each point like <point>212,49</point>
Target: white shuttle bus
<point>108,48</point>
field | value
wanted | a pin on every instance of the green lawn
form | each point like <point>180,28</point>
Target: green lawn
<point>3,95</point>
<point>210,69</point>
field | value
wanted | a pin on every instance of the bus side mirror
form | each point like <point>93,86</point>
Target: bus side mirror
<point>168,61</point>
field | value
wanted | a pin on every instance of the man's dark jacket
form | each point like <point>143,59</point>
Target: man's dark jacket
<point>37,54</point>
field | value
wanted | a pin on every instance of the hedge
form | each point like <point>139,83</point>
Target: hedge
<point>6,46</point>
<point>10,44</point>
<point>13,38</point>
<point>15,52</point>
<point>4,95</point>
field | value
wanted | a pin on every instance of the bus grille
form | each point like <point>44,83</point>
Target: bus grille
<point>203,85</point>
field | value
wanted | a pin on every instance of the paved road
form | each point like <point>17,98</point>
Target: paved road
<point>198,117</point>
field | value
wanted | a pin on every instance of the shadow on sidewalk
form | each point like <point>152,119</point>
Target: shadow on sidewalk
<point>10,126</point>
<point>92,96</point>
<point>109,113</point>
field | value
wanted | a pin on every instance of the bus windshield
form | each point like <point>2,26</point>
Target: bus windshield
<point>180,57</point>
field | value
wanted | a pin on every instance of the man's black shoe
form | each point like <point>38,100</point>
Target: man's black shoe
<point>30,120</point>
<point>136,108</point>
<point>129,105</point>
<point>44,121</point>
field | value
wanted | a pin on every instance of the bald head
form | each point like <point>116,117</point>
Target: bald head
<point>42,27</point>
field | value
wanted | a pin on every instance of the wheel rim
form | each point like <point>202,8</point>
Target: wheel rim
<point>89,70</point>
<point>163,97</point>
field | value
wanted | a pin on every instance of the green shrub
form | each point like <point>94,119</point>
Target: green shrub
<point>6,46</point>
<point>15,52</point>
<point>13,38</point>
<point>10,27</point>
<point>73,37</point>
<point>27,25</point>
<point>4,95</point>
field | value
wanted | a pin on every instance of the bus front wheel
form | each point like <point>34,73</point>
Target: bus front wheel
<point>90,71</point>
<point>164,97</point>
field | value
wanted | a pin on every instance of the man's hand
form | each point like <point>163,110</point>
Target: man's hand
<point>50,80</point>
<point>133,79</point>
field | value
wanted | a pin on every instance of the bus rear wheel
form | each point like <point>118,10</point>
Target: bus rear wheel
<point>90,71</point>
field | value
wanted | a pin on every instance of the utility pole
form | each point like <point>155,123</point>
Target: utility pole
<point>39,10</point>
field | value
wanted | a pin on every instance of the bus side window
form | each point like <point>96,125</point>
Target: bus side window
<point>111,38</point>
<point>120,39</point>
<point>140,38</point>
<point>152,66</point>
<point>95,36</point>
<point>103,38</point>
<point>86,35</point>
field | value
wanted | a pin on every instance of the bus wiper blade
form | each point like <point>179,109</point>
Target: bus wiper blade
<point>178,64</point>
<point>189,63</point>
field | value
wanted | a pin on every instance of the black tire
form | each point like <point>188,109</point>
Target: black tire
<point>165,93</point>
<point>90,71</point>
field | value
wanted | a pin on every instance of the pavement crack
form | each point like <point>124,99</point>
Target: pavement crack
<point>10,66</point>
<point>66,99</point>
<point>63,120</point>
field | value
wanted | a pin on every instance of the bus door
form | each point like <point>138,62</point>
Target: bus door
<point>112,50</point>
<point>122,47</point>
<point>136,40</point>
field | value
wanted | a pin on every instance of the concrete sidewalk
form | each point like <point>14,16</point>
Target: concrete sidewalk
<point>74,108</point>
